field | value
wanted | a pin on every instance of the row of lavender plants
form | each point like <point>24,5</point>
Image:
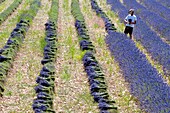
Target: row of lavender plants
<point>8,52</point>
<point>96,77</point>
<point>159,50</point>
<point>45,81</point>
<point>4,15</point>
<point>145,82</point>
<point>108,23</point>
<point>157,8</point>
<point>166,3</point>
<point>156,22</point>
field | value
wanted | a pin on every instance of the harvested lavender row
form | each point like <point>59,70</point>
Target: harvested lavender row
<point>166,3</point>
<point>85,43</point>
<point>4,15</point>
<point>8,52</point>
<point>99,11</point>
<point>45,90</point>
<point>159,50</point>
<point>45,81</point>
<point>158,24</point>
<point>98,86</point>
<point>145,82</point>
<point>157,8</point>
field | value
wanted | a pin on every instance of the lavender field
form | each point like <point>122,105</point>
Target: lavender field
<point>72,56</point>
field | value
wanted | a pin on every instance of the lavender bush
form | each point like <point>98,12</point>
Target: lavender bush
<point>166,3</point>
<point>157,8</point>
<point>145,82</point>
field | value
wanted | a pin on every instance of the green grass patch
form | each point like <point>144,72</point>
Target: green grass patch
<point>66,5</point>
<point>19,76</point>
<point>65,74</point>
<point>2,6</point>
<point>100,40</point>
<point>96,25</point>
<point>8,93</point>
<point>79,55</point>
<point>42,44</point>
<point>34,44</point>
<point>72,51</point>
<point>86,97</point>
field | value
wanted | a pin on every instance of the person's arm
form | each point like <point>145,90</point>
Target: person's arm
<point>125,20</point>
<point>134,21</point>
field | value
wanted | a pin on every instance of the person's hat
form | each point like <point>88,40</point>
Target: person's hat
<point>131,10</point>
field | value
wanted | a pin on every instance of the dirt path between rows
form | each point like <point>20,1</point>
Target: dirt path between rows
<point>72,89</point>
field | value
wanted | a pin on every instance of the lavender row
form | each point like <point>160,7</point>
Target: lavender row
<point>159,50</point>
<point>108,23</point>
<point>85,43</point>
<point>157,8</point>
<point>118,8</point>
<point>45,90</point>
<point>166,3</point>
<point>4,15</point>
<point>145,82</point>
<point>45,81</point>
<point>98,86</point>
<point>8,52</point>
<point>158,24</point>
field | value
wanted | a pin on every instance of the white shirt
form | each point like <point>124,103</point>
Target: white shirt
<point>133,18</point>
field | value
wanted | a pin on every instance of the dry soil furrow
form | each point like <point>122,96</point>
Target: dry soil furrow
<point>19,93</point>
<point>117,87</point>
<point>72,90</point>
<point>7,26</point>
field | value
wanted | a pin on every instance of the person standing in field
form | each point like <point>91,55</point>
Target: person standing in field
<point>130,22</point>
